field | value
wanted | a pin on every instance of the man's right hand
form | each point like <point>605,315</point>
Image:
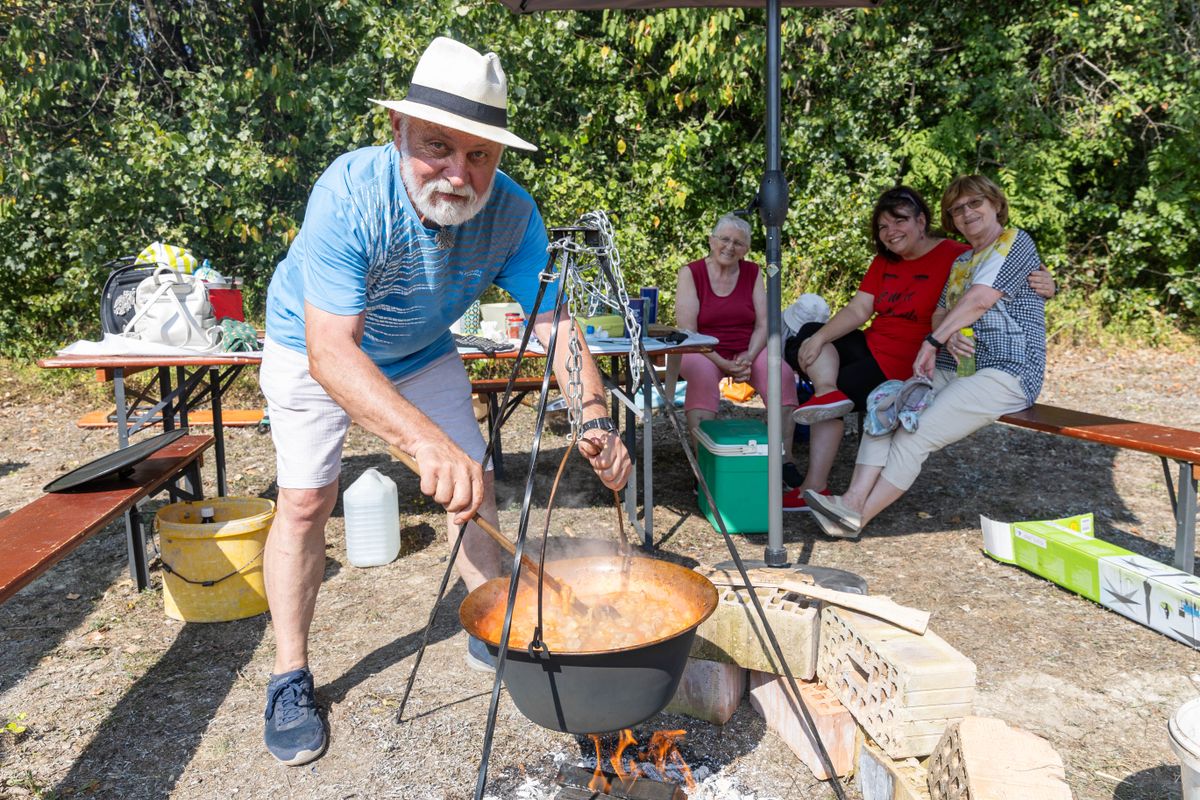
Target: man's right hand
<point>451,477</point>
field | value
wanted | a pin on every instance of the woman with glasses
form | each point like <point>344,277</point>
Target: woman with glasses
<point>723,295</point>
<point>898,295</point>
<point>988,291</point>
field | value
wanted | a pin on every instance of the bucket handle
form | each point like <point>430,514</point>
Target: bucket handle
<point>167,567</point>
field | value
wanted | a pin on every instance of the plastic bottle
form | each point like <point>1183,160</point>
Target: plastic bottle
<point>966,364</point>
<point>372,520</point>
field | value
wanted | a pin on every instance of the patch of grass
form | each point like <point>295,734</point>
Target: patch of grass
<point>1105,320</point>
<point>33,786</point>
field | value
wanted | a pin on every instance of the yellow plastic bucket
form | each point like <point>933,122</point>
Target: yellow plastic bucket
<point>213,572</point>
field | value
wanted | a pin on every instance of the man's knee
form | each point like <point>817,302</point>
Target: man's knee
<point>305,508</point>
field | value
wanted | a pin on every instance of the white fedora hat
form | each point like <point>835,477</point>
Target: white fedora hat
<point>458,87</point>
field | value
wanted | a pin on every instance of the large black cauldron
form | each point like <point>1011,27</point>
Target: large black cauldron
<point>597,691</point>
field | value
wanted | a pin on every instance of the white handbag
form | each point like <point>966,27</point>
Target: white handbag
<point>172,308</point>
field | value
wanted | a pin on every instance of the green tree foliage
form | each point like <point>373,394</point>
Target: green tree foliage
<point>205,124</point>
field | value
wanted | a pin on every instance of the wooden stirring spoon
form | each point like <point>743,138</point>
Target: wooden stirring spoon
<point>554,584</point>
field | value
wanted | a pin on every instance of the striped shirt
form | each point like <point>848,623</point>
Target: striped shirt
<point>1011,335</point>
<point>362,248</point>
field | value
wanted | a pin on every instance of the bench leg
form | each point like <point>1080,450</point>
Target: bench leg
<point>1185,520</point>
<point>135,538</point>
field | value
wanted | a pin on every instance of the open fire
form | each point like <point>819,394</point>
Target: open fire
<point>651,772</point>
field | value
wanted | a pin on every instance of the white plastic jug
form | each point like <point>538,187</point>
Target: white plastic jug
<point>372,520</point>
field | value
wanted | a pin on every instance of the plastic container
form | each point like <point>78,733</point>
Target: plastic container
<point>212,572</point>
<point>650,303</point>
<point>966,364</point>
<point>372,520</point>
<point>733,459</point>
<point>494,312</point>
<point>637,308</point>
<point>1184,730</point>
<point>604,326</point>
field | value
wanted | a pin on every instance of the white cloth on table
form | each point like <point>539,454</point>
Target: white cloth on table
<point>113,344</point>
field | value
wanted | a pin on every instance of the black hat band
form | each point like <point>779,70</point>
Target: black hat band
<point>455,104</point>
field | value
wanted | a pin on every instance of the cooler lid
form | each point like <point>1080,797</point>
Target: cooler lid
<point>733,437</point>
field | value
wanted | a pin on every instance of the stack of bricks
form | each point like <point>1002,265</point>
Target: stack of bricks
<point>732,641</point>
<point>734,634</point>
<point>902,688</point>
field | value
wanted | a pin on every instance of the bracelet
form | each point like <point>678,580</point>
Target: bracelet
<point>601,423</point>
<point>935,342</point>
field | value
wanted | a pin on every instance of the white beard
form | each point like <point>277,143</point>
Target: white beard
<point>438,211</point>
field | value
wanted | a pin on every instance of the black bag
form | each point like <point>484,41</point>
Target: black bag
<point>116,298</point>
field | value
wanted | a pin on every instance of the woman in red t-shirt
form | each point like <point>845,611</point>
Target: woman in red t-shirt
<point>899,295</point>
<point>723,296</point>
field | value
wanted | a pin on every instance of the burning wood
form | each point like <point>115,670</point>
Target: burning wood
<point>642,775</point>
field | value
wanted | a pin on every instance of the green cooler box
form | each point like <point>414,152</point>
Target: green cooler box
<point>733,460</point>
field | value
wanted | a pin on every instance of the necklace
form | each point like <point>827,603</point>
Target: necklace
<point>443,237</point>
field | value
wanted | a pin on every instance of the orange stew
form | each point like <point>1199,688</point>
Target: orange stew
<point>612,620</point>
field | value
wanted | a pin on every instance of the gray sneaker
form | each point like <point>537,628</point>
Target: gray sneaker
<point>478,657</point>
<point>294,731</point>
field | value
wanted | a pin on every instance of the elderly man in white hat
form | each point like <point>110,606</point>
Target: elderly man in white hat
<point>397,241</point>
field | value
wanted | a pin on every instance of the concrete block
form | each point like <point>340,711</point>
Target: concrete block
<point>772,698</point>
<point>903,689</point>
<point>709,690</point>
<point>985,759</point>
<point>733,633</point>
<point>881,778</point>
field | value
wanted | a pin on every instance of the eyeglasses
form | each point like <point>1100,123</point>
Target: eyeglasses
<point>732,242</point>
<point>974,203</point>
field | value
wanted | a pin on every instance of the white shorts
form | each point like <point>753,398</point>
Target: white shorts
<point>308,427</point>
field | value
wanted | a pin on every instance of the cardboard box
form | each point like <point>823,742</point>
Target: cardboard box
<point>1066,552</point>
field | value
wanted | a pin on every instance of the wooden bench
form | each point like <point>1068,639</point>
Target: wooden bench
<point>490,390</point>
<point>230,418</point>
<point>1174,444</point>
<point>37,536</point>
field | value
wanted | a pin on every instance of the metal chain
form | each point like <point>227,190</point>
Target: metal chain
<point>588,293</point>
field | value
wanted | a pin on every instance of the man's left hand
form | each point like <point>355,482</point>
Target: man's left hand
<point>608,457</point>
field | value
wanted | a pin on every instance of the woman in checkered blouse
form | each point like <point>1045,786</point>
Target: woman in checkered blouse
<point>988,290</point>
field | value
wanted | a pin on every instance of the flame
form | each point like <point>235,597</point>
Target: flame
<point>626,738</point>
<point>598,783</point>
<point>663,747</point>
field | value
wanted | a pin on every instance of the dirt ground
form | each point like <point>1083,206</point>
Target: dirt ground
<point>119,701</point>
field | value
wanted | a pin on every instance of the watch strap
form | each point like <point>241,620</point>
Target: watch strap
<point>599,423</point>
<point>939,345</point>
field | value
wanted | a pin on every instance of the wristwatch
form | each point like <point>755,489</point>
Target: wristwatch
<point>601,423</point>
<point>939,345</point>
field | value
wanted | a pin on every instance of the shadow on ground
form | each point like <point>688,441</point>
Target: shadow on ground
<point>1161,781</point>
<point>137,752</point>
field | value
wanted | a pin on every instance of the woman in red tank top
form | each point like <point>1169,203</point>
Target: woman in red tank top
<point>723,296</point>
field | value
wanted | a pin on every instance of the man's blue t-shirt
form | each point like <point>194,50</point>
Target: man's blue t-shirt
<point>362,248</point>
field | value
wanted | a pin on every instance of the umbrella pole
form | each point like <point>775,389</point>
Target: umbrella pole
<point>773,205</point>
